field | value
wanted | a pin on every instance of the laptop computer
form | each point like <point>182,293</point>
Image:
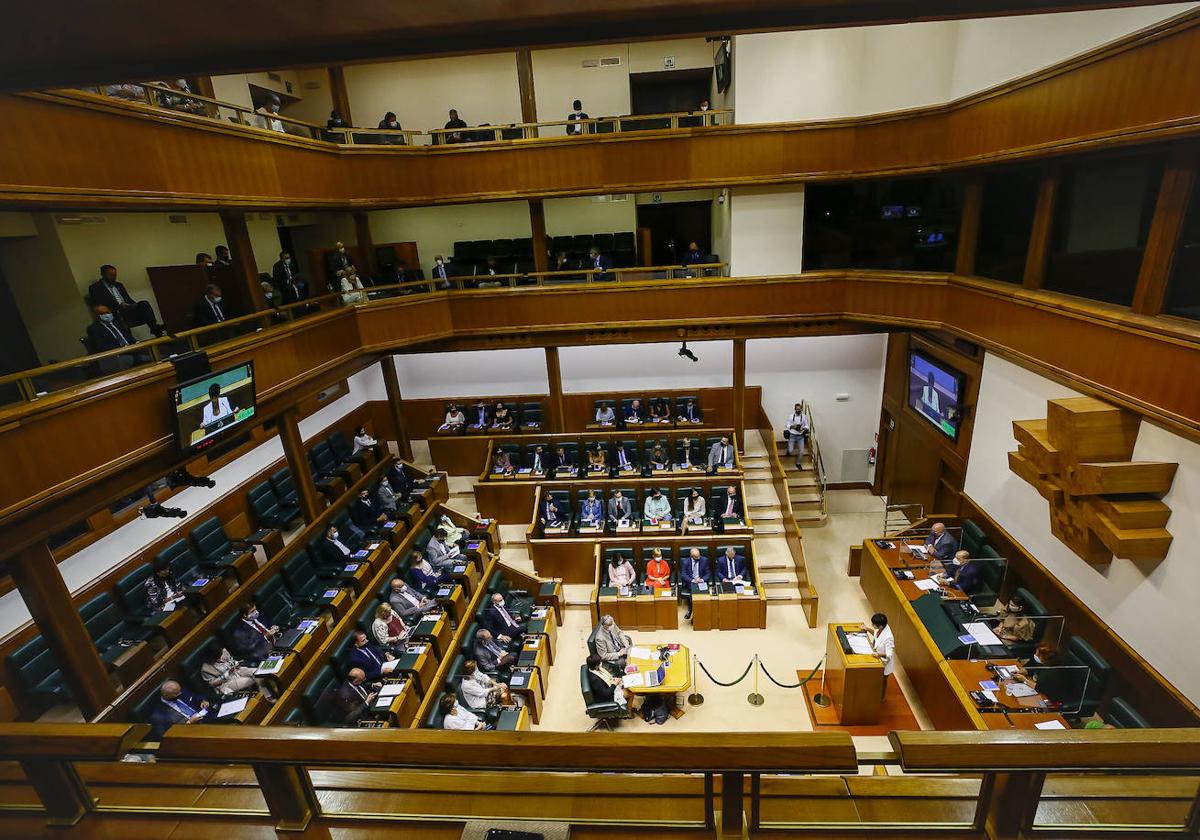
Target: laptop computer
<point>655,678</point>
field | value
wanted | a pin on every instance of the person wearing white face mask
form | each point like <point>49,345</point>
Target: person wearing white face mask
<point>333,551</point>
<point>253,636</point>
<point>269,111</point>
<point>107,331</point>
<point>577,128</point>
<point>1016,626</point>
<point>287,279</point>
<point>210,309</point>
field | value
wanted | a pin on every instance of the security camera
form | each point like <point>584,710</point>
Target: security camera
<point>686,353</point>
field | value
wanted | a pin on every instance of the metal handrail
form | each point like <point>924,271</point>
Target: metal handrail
<point>814,449</point>
<point>896,518</point>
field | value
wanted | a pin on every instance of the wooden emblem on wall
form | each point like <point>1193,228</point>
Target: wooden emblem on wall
<point>1102,503</point>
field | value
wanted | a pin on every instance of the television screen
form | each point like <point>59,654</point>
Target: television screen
<point>934,391</point>
<point>891,211</point>
<point>208,407</point>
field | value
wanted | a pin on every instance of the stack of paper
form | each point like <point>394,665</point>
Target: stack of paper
<point>391,690</point>
<point>982,633</point>
<point>634,680</point>
<point>927,585</point>
<point>1019,689</point>
<point>641,653</point>
<point>859,643</point>
<point>1049,724</point>
<point>232,707</point>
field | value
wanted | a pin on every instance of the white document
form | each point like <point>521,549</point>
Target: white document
<point>634,680</point>
<point>641,653</point>
<point>859,643</point>
<point>391,690</point>
<point>269,666</point>
<point>927,584</point>
<point>169,606</point>
<point>1019,689</point>
<point>982,633</point>
<point>1049,724</point>
<point>989,694</point>
<point>232,707</point>
<point>389,666</point>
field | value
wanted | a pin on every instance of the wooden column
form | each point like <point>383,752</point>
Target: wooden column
<point>63,793</point>
<point>1010,804</point>
<point>287,790</point>
<point>554,378</point>
<point>1174,193</point>
<point>391,384</point>
<point>297,458</point>
<point>739,391</point>
<point>362,234</point>
<point>1043,222</point>
<point>525,88</point>
<point>733,823</point>
<point>36,576</point>
<point>537,225</point>
<point>244,269</point>
<point>968,226</point>
<point>339,95</point>
<point>204,87</point>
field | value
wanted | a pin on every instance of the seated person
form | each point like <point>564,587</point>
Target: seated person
<point>161,588</point>
<point>694,507</point>
<point>618,508</point>
<point>597,460</point>
<point>386,499</point>
<point>593,509</point>
<point>658,571</point>
<point>692,572</point>
<point>612,645</point>
<point>733,504</point>
<point>454,534</point>
<point>622,459</point>
<point>455,419</point>
<point>226,675</point>
<point>491,655</point>
<point>940,543</point>
<point>961,573</point>
<point>660,411</point>
<point>502,464</point>
<point>551,516</point>
<point>252,638</point>
<point>424,577</point>
<point>363,440</point>
<point>605,687</point>
<point>211,308</point>
<point>634,413</point>
<point>562,460</point>
<point>693,255</point>
<point>605,415</point>
<point>175,705</point>
<point>1042,671</point>
<point>389,630</point>
<point>365,514</point>
<point>409,603</point>
<point>107,331</point>
<point>111,293</point>
<point>505,625</point>
<point>659,459</point>
<point>400,480</point>
<point>690,413</point>
<point>480,418</point>
<point>502,418</point>
<point>721,454</point>
<point>372,659</point>
<point>455,716</point>
<point>657,507</point>
<point>620,571</point>
<point>334,552</point>
<point>355,696</point>
<point>539,461</point>
<point>731,568</point>
<point>443,554</point>
<point>1016,626</point>
<point>687,454</point>
<point>483,694</point>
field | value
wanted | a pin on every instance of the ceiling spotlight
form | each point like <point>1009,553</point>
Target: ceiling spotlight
<point>686,353</point>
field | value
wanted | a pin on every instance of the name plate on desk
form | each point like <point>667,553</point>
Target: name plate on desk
<point>458,570</point>
<point>308,625</point>
<point>331,593</point>
<point>518,680</point>
<point>416,650</point>
<point>389,524</point>
<point>351,567</point>
<point>268,666</point>
<point>444,592</point>
<point>472,546</point>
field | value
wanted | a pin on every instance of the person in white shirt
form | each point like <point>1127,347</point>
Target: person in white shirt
<point>694,506</point>
<point>884,646</point>
<point>217,406</point>
<point>929,398</point>
<point>456,717</point>
<point>455,419</point>
<point>605,415</point>
<point>268,111</point>
<point>621,572</point>
<point>481,692</point>
<point>797,432</point>
<point>362,440</point>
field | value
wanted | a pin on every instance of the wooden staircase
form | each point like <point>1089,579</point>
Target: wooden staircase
<point>804,488</point>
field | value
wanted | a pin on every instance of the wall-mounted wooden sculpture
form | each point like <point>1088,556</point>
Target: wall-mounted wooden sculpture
<point>1101,503</point>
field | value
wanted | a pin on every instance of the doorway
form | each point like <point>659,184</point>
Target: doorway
<point>673,226</point>
<point>669,91</point>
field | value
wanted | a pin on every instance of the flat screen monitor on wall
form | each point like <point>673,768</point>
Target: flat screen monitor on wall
<point>210,407</point>
<point>934,391</point>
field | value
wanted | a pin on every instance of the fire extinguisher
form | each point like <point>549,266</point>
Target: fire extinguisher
<point>871,453</point>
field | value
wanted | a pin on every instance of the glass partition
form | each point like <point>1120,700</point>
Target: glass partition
<point>1006,222</point>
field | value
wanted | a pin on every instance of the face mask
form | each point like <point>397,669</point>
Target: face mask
<point>334,535</point>
<point>252,615</point>
<point>217,299</point>
<point>107,317</point>
<point>268,295</point>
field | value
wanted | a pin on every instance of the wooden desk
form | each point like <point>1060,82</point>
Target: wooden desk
<point>434,629</point>
<point>393,531</point>
<point>542,623</point>
<point>727,610</point>
<point>968,674</point>
<point>1030,720</point>
<point>339,604</point>
<point>280,678</point>
<point>513,720</point>
<point>271,540</point>
<point>853,681</point>
<point>400,709</point>
<point>173,625</point>
<point>206,593</point>
<point>639,609</point>
<point>550,594</point>
<point>419,664</point>
<point>704,610</point>
<point>912,591</point>
<point>527,683</point>
<point>466,575</point>
<point>678,675</point>
<point>131,662</point>
<point>256,707</point>
<point>453,602</point>
<point>533,654</point>
<point>311,641</point>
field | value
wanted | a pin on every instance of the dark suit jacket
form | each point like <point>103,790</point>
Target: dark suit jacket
<point>100,337</point>
<point>944,548</point>
<point>605,263</point>
<point>578,129</point>
<point>692,257</point>
<point>364,514</point>
<point>555,462</point>
<point>494,620</point>
<point>685,571</point>
<point>426,584</point>
<point>99,294</point>
<point>551,512</point>
<point>203,315</point>
<point>163,717</point>
<point>738,570</point>
<point>720,505</point>
<point>690,414</point>
<point>969,578</point>
<point>602,690</point>
<point>489,660</point>
<point>332,555</point>
<point>369,657</point>
<point>248,643</point>
<point>400,480</point>
<point>350,705</point>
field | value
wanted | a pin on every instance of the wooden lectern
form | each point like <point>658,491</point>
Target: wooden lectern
<point>853,681</point>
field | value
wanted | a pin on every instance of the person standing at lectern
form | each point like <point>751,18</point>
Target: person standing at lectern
<point>884,646</point>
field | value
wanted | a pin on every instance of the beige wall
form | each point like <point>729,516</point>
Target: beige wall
<point>436,229</point>
<point>482,87</point>
<point>316,230</point>
<point>586,214</point>
<point>50,304</point>
<point>17,224</point>
<point>312,86</point>
<point>766,230</point>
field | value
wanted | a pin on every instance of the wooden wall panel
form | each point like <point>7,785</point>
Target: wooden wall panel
<point>138,157</point>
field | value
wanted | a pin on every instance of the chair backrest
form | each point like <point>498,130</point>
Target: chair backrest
<point>562,498</point>
<point>103,620</point>
<point>572,449</point>
<point>585,685</point>
<point>33,663</point>
<point>604,241</point>
<point>625,551</point>
<point>189,671</point>
<point>1124,716</point>
<point>367,617</point>
<point>530,451</point>
<point>181,556</point>
<point>317,699</point>
<point>985,551</point>
<point>1081,651</point>
<point>338,658</point>
<point>264,502</point>
<point>1033,607</point>
<point>339,445</point>
<point>298,572</point>
<point>210,539</point>
<point>284,484</point>
<point>468,642</point>
<point>272,599</point>
<point>131,587</point>
<point>972,539</point>
<point>591,642</point>
<point>624,241</point>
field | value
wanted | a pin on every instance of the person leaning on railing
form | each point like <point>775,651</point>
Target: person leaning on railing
<point>390,123</point>
<point>577,128</point>
<point>454,123</point>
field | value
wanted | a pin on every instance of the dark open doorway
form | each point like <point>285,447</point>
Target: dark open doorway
<point>669,91</point>
<point>673,226</point>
